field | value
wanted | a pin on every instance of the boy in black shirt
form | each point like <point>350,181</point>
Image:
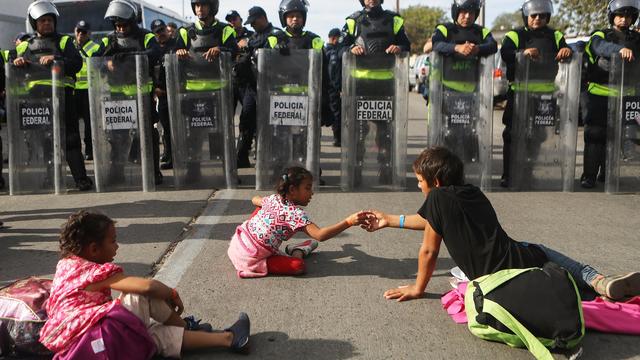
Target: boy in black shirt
<point>463,217</point>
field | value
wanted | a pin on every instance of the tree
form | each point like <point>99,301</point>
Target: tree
<point>419,23</point>
<point>580,17</point>
<point>507,21</point>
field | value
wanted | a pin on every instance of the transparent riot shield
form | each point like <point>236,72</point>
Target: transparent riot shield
<point>545,123</point>
<point>35,119</point>
<point>120,102</point>
<point>289,95</point>
<point>461,112</point>
<point>374,121</point>
<point>623,135</point>
<point>200,96</point>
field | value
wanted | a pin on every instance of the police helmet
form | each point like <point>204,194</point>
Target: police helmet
<point>362,2</point>
<point>470,5</point>
<point>623,7</point>
<point>533,7</point>
<point>287,6</point>
<point>122,10</point>
<point>214,5</point>
<point>41,8</point>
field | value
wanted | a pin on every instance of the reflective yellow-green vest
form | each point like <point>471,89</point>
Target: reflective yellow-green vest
<point>88,50</point>
<point>69,81</point>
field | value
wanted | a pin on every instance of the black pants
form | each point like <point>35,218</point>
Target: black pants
<point>247,94</point>
<point>507,121</point>
<point>163,117</point>
<point>595,136</point>
<point>84,113</point>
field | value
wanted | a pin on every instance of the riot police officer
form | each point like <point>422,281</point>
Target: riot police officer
<point>4,57</point>
<point>334,68</point>
<point>168,45</point>
<point>45,46</point>
<point>534,39</point>
<point>372,31</point>
<point>619,38</point>
<point>461,43</point>
<point>245,70</point>
<point>128,39</point>
<point>87,48</point>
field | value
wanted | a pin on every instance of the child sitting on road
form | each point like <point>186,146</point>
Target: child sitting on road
<point>462,217</point>
<point>85,322</point>
<point>255,247</point>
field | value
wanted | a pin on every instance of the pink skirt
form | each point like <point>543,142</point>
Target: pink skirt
<point>247,255</point>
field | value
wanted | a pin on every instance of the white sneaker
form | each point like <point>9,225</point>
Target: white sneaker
<point>306,247</point>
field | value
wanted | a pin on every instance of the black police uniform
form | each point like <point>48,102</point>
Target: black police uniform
<point>547,41</point>
<point>162,112</point>
<point>601,46</point>
<point>375,30</point>
<point>245,70</point>
<point>334,71</point>
<point>86,50</point>
<point>137,41</point>
<point>61,46</point>
<point>4,57</point>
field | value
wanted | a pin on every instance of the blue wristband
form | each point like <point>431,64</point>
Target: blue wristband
<point>401,221</point>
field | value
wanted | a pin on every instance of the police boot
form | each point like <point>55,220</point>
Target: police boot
<point>337,138</point>
<point>593,155</point>
<point>193,172</point>
<point>244,146</point>
<point>75,161</point>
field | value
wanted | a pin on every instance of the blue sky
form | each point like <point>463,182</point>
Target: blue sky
<point>326,14</point>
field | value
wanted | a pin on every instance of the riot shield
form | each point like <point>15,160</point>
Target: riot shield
<point>35,119</point>
<point>374,121</point>
<point>200,99</point>
<point>461,112</point>
<point>623,135</point>
<point>545,123</point>
<point>120,102</point>
<point>289,95</point>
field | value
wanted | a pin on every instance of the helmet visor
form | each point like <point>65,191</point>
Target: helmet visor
<point>534,7</point>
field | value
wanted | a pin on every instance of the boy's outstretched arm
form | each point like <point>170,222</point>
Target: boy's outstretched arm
<point>326,233</point>
<point>427,258</point>
<point>377,220</point>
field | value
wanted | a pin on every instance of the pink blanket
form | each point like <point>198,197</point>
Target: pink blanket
<point>247,255</point>
<point>601,315</point>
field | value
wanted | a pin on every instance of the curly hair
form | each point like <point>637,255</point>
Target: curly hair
<point>292,176</point>
<point>81,230</point>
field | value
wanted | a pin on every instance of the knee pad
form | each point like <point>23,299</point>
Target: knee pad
<point>595,134</point>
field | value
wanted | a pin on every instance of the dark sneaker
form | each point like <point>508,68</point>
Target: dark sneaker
<point>241,330</point>
<point>196,325</point>
<point>88,156</point>
<point>165,158</point>
<point>84,184</point>
<point>601,177</point>
<point>619,287</point>
<point>167,166</point>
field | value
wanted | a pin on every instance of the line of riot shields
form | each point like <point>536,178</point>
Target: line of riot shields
<point>374,121</point>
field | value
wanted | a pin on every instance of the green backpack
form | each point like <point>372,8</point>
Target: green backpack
<point>536,308</point>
